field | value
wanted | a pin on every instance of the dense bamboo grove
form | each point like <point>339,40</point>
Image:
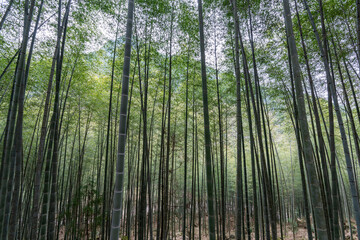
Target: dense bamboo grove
<point>179,119</point>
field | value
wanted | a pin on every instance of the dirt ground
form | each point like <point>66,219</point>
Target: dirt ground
<point>290,233</point>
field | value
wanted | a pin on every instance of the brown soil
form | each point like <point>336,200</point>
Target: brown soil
<point>297,233</point>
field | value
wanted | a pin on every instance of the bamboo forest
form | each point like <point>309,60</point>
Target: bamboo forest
<point>179,119</point>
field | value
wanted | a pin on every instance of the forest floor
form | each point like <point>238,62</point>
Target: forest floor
<point>290,233</point>
<point>297,233</point>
